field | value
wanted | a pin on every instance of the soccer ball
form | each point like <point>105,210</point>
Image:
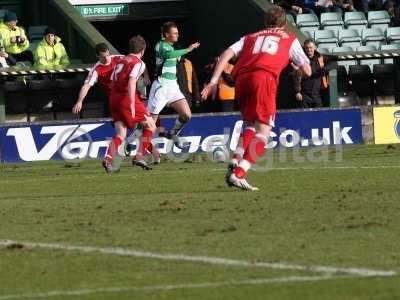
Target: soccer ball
<point>219,155</point>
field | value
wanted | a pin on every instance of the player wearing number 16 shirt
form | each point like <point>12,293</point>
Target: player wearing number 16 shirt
<point>261,58</point>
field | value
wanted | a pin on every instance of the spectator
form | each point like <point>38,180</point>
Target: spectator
<point>308,89</point>
<point>226,86</point>
<point>13,38</point>
<point>327,6</point>
<point>50,52</point>
<point>295,7</point>
<point>6,60</point>
<point>394,13</point>
<point>188,81</point>
<point>346,5</point>
<point>367,5</point>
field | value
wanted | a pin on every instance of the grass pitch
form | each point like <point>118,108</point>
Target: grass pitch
<point>340,211</point>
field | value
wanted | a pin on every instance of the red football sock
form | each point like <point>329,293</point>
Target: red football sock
<point>256,149</point>
<point>145,141</point>
<point>248,136</point>
<point>150,148</point>
<point>245,138</point>
<point>113,148</point>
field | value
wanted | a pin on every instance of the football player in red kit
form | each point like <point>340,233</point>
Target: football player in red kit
<point>261,58</point>
<point>100,73</point>
<point>127,109</point>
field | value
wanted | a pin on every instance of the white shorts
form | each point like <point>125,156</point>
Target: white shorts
<point>163,93</point>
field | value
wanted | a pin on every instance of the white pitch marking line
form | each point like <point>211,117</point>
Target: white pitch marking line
<point>205,285</point>
<point>323,168</point>
<point>203,259</point>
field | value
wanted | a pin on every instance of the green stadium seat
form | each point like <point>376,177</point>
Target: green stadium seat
<point>323,50</point>
<point>36,32</point>
<point>384,79</point>
<point>349,38</point>
<point>355,20</point>
<point>325,36</point>
<point>308,31</point>
<point>362,81</point>
<point>307,20</point>
<point>369,62</point>
<point>345,63</point>
<point>290,19</point>
<point>325,39</point>
<point>332,21</point>
<point>389,47</point>
<point>379,18</point>
<point>2,13</point>
<point>393,35</point>
<point>373,37</point>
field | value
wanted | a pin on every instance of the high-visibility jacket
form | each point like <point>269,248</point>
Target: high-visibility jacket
<point>46,56</point>
<point>189,75</point>
<point>226,92</point>
<point>6,33</point>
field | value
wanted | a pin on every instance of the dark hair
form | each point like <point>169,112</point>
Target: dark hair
<point>167,27</point>
<point>275,17</point>
<point>101,47</point>
<point>50,30</point>
<point>137,44</point>
<point>309,41</point>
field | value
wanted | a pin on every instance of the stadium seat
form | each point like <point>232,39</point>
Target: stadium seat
<point>24,63</point>
<point>379,18</point>
<point>36,32</point>
<point>390,47</point>
<point>76,61</point>
<point>362,81</point>
<point>15,95</point>
<point>349,38</point>
<point>369,62</point>
<point>323,50</point>
<point>393,35</point>
<point>325,39</point>
<point>342,79</point>
<point>325,36</point>
<point>384,77</point>
<point>332,21</point>
<point>290,19</point>
<point>42,96</point>
<point>373,37</point>
<point>355,20</point>
<point>344,63</point>
<point>307,20</point>
<point>68,91</point>
<point>33,45</point>
<point>2,13</point>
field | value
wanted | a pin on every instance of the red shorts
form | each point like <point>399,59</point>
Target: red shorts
<point>120,107</point>
<point>256,92</point>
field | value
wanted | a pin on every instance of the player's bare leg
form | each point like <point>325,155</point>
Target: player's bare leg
<point>145,140</point>
<point>183,110</point>
<point>254,151</point>
<point>112,150</point>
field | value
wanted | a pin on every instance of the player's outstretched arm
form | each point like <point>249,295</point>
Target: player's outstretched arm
<point>167,53</point>
<point>132,93</point>
<point>219,68</point>
<point>82,95</point>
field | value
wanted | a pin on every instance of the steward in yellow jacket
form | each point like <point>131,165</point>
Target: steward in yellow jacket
<point>50,53</point>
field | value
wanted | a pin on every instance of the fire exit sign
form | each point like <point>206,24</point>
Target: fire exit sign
<point>114,10</point>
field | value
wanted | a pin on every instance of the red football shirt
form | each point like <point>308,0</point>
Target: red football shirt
<point>102,74</point>
<point>129,66</point>
<point>270,50</point>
